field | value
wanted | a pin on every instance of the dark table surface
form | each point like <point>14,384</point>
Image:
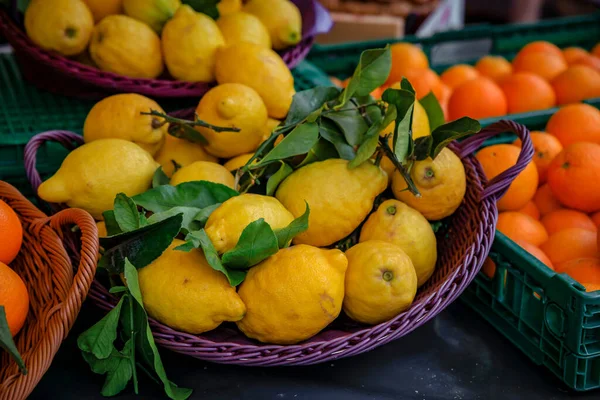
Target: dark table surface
<point>455,356</point>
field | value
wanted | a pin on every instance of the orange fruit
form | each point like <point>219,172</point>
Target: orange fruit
<point>546,148</point>
<point>596,219</point>
<point>458,74</point>
<point>11,233</point>
<point>591,61</point>
<point>560,220</point>
<point>406,57</point>
<point>518,226</point>
<point>498,158</point>
<point>545,200</point>
<point>478,98</point>
<point>574,54</point>
<point>488,268</point>
<point>531,210</point>
<point>574,174</point>
<point>526,92</point>
<point>596,50</point>
<point>494,67</point>
<point>575,123</point>
<point>541,46</point>
<point>536,252</point>
<point>425,81</point>
<point>546,65</point>
<point>14,298</point>
<point>585,270</point>
<point>577,83</point>
<point>569,244</point>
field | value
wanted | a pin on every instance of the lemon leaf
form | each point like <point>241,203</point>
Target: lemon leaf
<point>208,7</point>
<point>350,121</point>
<point>308,101</point>
<point>444,134</point>
<point>423,147</point>
<point>112,228</point>
<point>369,144</point>
<point>99,339</point>
<point>189,214</point>
<point>322,150</point>
<point>159,178</point>
<point>7,343</point>
<point>141,246</point>
<point>198,194</point>
<point>126,213</point>
<point>297,226</point>
<point>283,172</point>
<point>257,242</point>
<point>299,141</point>
<point>371,72</point>
<point>117,368</point>
<point>404,100</point>
<point>333,134</point>
<point>434,111</point>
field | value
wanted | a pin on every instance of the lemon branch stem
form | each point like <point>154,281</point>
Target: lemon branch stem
<point>383,144</point>
<point>197,122</point>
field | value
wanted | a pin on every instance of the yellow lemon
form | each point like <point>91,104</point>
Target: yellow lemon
<point>226,223</point>
<point>120,116</point>
<point>101,226</point>
<point>293,295</point>
<point>181,151</point>
<point>232,105</point>
<point>229,6</point>
<point>189,42</point>
<point>182,291</point>
<point>92,175</point>
<point>281,17</point>
<point>243,27</point>
<point>154,13</point>
<point>64,26</point>
<point>340,198</point>
<point>420,128</point>
<point>238,162</point>
<point>381,282</point>
<point>128,47</point>
<point>203,171</point>
<point>397,223</point>
<point>103,8</point>
<point>441,182</point>
<point>263,71</point>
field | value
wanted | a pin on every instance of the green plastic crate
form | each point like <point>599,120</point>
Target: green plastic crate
<point>445,49</point>
<point>547,315</point>
<point>26,111</point>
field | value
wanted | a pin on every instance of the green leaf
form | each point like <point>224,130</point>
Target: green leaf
<point>373,113</point>
<point>297,226</point>
<point>201,240</point>
<point>351,123</point>
<point>99,339</point>
<point>197,194</point>
<point>423,147</point>
<point>444,134</point>
<point>308,101</point>
<point>298,141</point>
<point>188,133</point>
<point>333,134</point>
<point>159,178</point>
<point>186,247</point>
<point>208,7</point>
<point>141,246</point>
<point>117,368</point>
<point>369,145</point>
<point>257,242</point>
<point>126,213</point>
<point>112,227</point>
<point>404,100</point>
<point>371,72</point>
<point>434,111</point>
<point>283,172</point>
<point>188,214</point>
<point>322,150</point>
<point>149,346</point>
<point>7,343</point>
<point>203,215</point>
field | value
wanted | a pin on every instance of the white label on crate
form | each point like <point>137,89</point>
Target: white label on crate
<point>449,15</point>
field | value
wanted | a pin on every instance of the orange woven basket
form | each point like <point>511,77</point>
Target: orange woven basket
<point>56,289</point>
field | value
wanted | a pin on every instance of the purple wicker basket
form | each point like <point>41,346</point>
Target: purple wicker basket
<point>56,73</point>
<point>462,248</point>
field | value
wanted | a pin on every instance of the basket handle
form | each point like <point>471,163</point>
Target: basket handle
<point>65,138</point>
<point>499,185</point>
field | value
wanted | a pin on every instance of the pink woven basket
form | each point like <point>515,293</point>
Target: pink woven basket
<point>56,73</point>
<point>462,248</point>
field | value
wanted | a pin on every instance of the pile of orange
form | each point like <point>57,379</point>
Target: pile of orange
<point>552,208</point>
<point>540,76</point>
<point>13,293</point>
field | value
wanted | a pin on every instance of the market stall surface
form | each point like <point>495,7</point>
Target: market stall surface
<point>455,356</point>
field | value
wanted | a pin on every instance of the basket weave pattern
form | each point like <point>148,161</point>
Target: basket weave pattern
<point>462,247</point>
<point>56,73</point>
<point>56,291</point>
